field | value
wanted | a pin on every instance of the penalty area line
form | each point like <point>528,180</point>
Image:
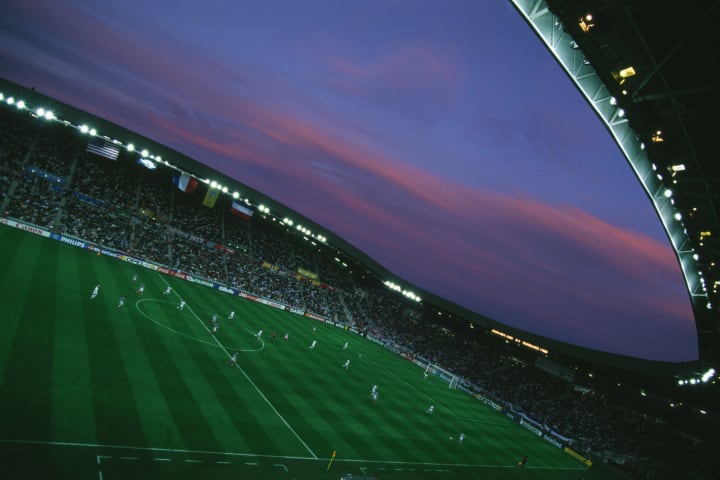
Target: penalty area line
<point>247,377</point>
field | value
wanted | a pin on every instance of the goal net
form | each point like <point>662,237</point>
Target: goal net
<point>443,374</point>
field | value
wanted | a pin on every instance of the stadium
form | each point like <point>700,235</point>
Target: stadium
<point>197,326</point>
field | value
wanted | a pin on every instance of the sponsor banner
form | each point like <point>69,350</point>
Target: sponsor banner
<point>25,227</point>
<point>299,311</point>
<point>577,456</point>
<point>531,427</point>
<point>272,303</point>
<point>486,401</point>
<point>552,440</point>
<point>179,275</point>
<point>163,270</point>
<point>201,281</point>
<point>315,316</point>
<point>72,241</point>
<point>225,289</point>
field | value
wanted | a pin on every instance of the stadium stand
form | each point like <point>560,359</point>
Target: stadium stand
<point>47,179</point>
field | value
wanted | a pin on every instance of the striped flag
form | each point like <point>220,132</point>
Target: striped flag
<point>241,210</point>
<point>103,148</point>
<point>185,182</point>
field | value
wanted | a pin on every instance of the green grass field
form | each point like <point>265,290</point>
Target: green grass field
<point>91,391</point>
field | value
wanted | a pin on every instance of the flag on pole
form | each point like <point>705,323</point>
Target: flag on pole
<point>211,197</point>
<point>185,182</point>
<point>103,148</point>
<point>241,210</point>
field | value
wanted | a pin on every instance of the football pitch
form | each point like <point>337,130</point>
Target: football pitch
<point>89,390</point>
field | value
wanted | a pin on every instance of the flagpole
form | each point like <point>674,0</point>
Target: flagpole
<point>332,457</point>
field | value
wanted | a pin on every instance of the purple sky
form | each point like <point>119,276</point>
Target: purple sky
<point>441,138</point>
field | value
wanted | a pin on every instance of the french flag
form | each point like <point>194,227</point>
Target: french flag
<point>241,210</point>
<point>185,182</point>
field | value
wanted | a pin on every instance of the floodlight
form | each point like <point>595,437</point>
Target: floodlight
<point>621,112</point>
<point>130,147</point>
<point>224,189</point>
<point>49,115</point>
<point>236,195</point>
<point>158,158</point>
<point>10,100</point>
<point>2,97</point>
<point>40,112</point>
<point>667,193</point>
<point>84,129</point>
<point>93,132</point>
<point>213,184</point>
<point>642,145</point>
<point>678,216</point>
<point>20,104</point>
<point>144,153</point>
<point>678,168</point>
<point>627,72</point>
<point>696,257</point>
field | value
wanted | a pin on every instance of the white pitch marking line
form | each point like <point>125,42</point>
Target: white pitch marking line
<point>222,462</point>
<point>243,372</point>
<point>129,458</point>
<point>163,459</point>
<point>152,449</point>
<point>260,455</point>
<point>254,464</point>
<point>190,460</point>
<point>280,465</point>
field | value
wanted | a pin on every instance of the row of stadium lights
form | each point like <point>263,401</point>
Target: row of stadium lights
<point>145,155</point>
<point>587,23</point>
<point>704,378</point>
<point>130,147</point>
<point>406,293</point>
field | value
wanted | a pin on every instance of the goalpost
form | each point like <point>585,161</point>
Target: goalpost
<point>443,374</point>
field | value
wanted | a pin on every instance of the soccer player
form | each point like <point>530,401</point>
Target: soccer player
<point>233,359</point>
<point>430,409</point>
<point>345,346</point>
<point>285,337</point>
<point>346,365</point>
<point>374,389</point>
<point>121,302</point>
<point>259,334</point>
<point>215,329</point>
<point>274,336</point>
<point>232,315</point>
<point>523,461</point>
<point>214,318</point>
<point>182,305</point>
<point>167,291</point>
<point>461,438</point>
<point>314,329</point>
<point>374,396</point>
<point>141,289</point>
<point>312,345</point>
<point>95,292</point>
<point>134,277</point>
<point>425,374</point>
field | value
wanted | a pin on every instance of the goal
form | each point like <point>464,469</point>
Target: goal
<point>443,374</point>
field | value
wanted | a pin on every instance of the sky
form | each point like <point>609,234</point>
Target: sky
<point>440,138</point>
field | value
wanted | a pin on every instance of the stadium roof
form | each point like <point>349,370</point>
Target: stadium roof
<point>651,71</point>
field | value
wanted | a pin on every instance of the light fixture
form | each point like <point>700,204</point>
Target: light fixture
<point>586,22</point>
